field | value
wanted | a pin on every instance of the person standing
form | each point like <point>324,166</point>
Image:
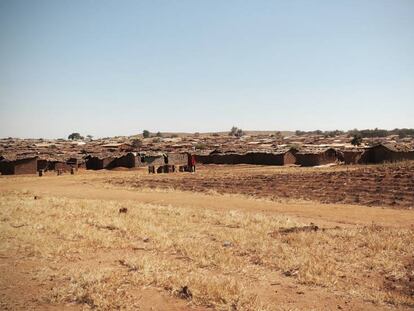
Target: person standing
<point>192,162</point>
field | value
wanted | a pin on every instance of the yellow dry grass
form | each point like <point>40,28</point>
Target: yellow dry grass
<point>219,255</point>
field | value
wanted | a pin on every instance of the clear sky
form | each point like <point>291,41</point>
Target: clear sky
<point>110,68</point>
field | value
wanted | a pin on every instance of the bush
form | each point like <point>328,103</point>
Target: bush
<point>239,133</point>
<point>145,133</point>
<point>236,132</point>
<point>201,146</point>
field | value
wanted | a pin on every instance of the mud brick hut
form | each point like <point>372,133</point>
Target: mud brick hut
<point>288,156</point>
<point>55,164</point>
<point>381,153</point>
<point>62,166</point>
<point>353,156</point>
<point>42,164</point>
<point>177,159</point>
<point>222,158</point>
<point>203,158</point>
<point>66,166</point>
<point>128,160</point>
<point>315,157</point>
<point>16,165</point>
<point>278,157</point>
<point>98,162</point>
<point>47,163</point>
<point>81,163</point>
<point>155,159</point>
<point>73,162</point>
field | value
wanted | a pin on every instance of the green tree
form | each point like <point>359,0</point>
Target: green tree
<point>356,140</point>
<point>233,131</point>
<point>75,136</point>
<point>159,134</point>
<point>145,133</point>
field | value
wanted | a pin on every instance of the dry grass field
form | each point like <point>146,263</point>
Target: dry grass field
<point>123,240</point>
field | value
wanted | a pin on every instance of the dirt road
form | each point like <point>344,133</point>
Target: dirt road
<point>91,186</point>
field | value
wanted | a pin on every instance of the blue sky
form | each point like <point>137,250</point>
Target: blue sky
<point>110,68</point>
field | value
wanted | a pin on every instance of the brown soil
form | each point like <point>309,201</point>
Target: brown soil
<point>386,185</point>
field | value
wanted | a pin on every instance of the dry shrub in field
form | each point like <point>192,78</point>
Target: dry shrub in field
<point>100,255</point>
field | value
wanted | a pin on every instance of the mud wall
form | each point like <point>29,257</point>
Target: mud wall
<point>289,158</point>
<point>256,158</point>
<point>308,159</point>
<point>154,160</point>
<point>95,163</point>
<point>23,166</point>
<point>62,166</point>
<point>128,161</point>
<point>42,165</point>
<point>353,157</point>
<point>177,158</point>
<point>6,168</point>
<point>381,154</point>
<point>261,158</point>
<point>315,159</point>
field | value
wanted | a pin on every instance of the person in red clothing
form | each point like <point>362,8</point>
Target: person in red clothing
<point>191,162</point>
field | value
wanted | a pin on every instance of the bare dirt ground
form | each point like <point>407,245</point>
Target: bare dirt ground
<point>390,185</point>
<point>65,246</point>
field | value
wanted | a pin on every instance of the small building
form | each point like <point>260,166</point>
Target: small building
<point>128,160</point>
<point>280,157</point>
<point>98,162</point>
<point>42,164</point>
<point>387,152</point>
<point>62,166</point>
<point>353,156</point>
<point>315,157</point>
<point>177,158</point>
<point>155,159</point>
<point>15,165</point>
<point>222,158</point>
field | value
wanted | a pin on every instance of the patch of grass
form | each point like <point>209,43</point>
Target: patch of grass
<point>99,255</point>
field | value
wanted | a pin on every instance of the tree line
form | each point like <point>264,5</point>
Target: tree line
<point>366,133</point>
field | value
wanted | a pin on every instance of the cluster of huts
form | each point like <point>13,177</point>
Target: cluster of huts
<point>25,164</point>
<point>31,164</point>
<point>311,156</point>
<point>14,165</point>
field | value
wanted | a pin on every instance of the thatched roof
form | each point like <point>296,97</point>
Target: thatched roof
<point>393,147</point>
<point>11,157</point>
